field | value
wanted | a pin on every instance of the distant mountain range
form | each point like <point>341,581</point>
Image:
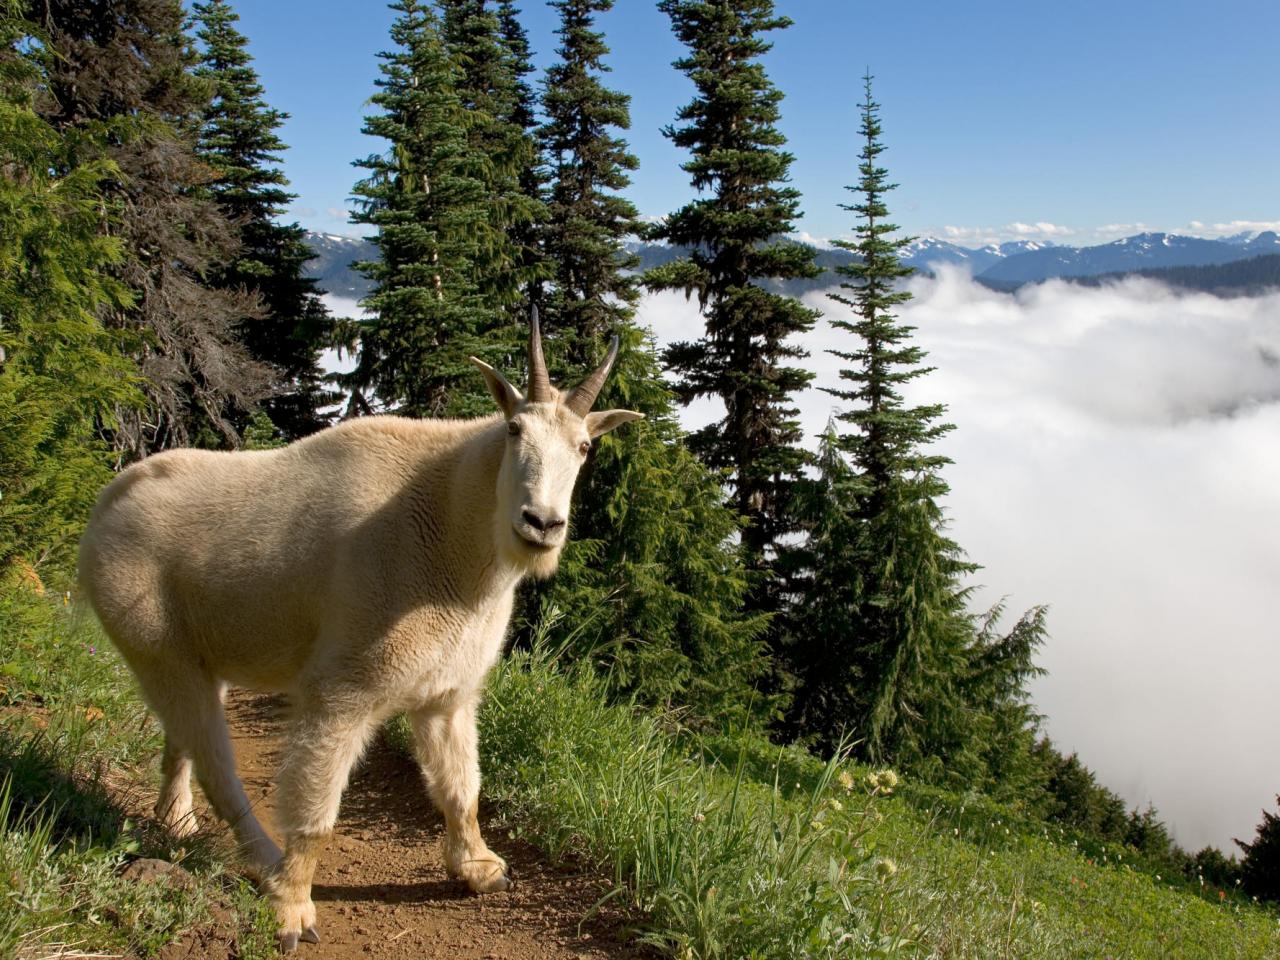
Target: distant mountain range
<point>1006,266</point>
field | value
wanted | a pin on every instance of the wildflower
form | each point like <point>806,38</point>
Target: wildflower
<point>699,817</point>
<point>846,780</point>
<point>836,805</point>
<point>883,780</point>
<point>815,824</point>
<point>885,868</point>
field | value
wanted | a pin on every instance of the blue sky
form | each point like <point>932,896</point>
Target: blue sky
<point>1075,122</point>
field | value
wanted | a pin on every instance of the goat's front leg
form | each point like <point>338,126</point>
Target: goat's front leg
<point>446,745</point>
<point>322,746</point>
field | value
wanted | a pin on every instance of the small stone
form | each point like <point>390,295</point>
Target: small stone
<point>150,870</point>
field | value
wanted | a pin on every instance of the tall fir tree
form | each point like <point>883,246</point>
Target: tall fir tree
<point>62,373</point>
<point>238,141</point>
<point>119,85</point>
<point>426,196</point>
<point>883,644</point>
<point>651,582</point>
<point>1260,864</point>
<point>490,52</point>
<point>734,241</point>
<point>525,233</point>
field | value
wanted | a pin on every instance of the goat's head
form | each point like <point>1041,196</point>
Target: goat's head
<point>549,434</point>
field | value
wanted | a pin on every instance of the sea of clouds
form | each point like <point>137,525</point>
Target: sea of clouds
<point>1117,456</point>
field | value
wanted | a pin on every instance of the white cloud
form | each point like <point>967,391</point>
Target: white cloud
<point>1041,228</point>
<point>1115,457</point>
<point>1232,227</point>
<point>979,236</point>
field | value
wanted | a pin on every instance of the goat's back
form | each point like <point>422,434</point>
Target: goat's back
<point>235,559</point>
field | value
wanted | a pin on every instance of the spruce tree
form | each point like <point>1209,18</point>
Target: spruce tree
<point>427,198</point>
<point>882,641</point>
<point>62,373</point>
<point>525,232</point>
<point>651,583</point>
<point>119,85</point>
<point>491,57</point>
<point>238,141</point>
<point>733,236</point>
<point>1260,865</point>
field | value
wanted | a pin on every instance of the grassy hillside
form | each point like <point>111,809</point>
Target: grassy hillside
<point>727,846</point>
<point>75,742</point>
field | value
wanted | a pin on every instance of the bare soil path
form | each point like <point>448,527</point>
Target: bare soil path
<point>381,890</point>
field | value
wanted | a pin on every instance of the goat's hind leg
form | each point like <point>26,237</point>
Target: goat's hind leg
<point>189,704</point>
<point>173,808</point>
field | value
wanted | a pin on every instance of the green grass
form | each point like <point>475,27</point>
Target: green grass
<point>727,846</point>
<point>723,846</point>
<point>75,742</point>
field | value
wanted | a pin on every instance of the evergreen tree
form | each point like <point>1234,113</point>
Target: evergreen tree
<point>1260,865</point>
<point>651,581</point>
<point>733,236</point>
<point>119,86</point>
<point>427,198</point>
<point>525,234</point>
<point>238,141</point>
<point>595,290</point>
<point>882,642</point>
<point>491,57</point>
<point>62,374</point>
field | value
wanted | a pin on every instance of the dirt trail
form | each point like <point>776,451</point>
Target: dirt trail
<point>381,890</point>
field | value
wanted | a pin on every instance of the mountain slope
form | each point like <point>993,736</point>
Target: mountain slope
<point>1145,251</point>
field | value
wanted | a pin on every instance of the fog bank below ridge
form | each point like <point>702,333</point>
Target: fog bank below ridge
<point>1117,456</point>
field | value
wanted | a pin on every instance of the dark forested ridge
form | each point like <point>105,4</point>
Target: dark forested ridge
<point>1240,278</point>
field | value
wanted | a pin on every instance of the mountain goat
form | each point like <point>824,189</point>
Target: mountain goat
<point>365,570</point>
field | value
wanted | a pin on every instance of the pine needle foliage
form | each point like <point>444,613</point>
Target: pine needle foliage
<point>427,197</point>
<point>491,53</point>
<point>651,580</point>
<point>238,141</point>
<point>734,237</point>
<point>62,373</point>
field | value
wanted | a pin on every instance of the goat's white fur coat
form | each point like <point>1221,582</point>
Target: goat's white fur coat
<point>365,570</point>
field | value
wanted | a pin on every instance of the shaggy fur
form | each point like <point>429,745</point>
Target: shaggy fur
<point>365,570</point>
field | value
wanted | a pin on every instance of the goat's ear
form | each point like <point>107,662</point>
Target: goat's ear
<point>508,397</point>
<point>602,421</point>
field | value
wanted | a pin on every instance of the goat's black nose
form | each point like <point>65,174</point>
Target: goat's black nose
<point>538,523</point>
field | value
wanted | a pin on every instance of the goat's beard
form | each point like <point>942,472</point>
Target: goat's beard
<point>540,563</point>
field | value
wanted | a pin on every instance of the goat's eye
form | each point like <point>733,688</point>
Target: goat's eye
<point>583,447</point>
<point>513,428</point>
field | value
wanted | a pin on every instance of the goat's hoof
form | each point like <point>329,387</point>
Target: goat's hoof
<point>289,941</point>
<point>489,878</point>
<point>297,924</point>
